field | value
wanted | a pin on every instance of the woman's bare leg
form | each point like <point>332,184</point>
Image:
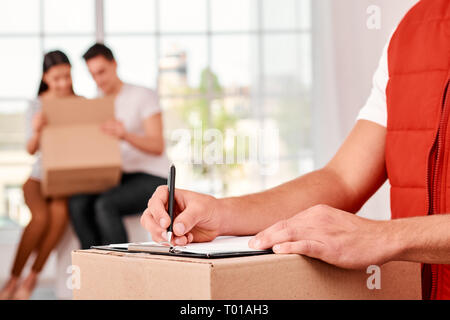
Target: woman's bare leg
<point>9,288</point>
<point>32,234</point>
<point>59,218</point>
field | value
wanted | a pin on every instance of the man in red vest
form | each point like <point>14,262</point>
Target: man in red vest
<point>401,135</point>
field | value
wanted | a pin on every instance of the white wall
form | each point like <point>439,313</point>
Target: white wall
<point>346,54</point>
<point>358,48</point>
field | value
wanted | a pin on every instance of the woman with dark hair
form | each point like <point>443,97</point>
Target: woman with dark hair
<point>49,216</point>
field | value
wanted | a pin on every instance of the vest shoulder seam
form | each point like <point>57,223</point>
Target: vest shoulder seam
<point>429,20</point>
<point>413,187</point>
<point>406,187</point>
<point>401,74</point>
<point>410,129</point>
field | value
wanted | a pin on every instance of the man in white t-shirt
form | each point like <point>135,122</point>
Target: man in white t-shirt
<point>97,218</point>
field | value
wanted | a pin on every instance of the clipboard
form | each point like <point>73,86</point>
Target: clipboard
<point>221,247</point>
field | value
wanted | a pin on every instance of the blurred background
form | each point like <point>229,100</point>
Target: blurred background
<point>301,67</point>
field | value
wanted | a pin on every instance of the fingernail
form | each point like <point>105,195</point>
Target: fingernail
<point>162,222</point>
<point>164,235</point>
<point>256,243</point>
<point>276,248</point>
<point>178,241</point>
<point>179,228</point>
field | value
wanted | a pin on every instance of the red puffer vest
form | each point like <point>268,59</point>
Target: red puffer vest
<point>417,141</point>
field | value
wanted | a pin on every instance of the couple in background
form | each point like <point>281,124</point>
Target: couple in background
<point>96,218</point>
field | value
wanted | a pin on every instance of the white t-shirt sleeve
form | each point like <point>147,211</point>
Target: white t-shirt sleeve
<point>150,104</point>
<point>375,109</point>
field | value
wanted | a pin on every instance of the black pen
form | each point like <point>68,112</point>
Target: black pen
<point>171,187</point>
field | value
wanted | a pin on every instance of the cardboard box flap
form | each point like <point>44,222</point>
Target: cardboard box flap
<point>317,279</point>
<point>144,255</point>
<point>153,278</point>
<point>77,110</point>
<point>216,262</point>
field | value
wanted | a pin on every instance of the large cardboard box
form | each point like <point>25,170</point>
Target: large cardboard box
<point>77,157</point>
<point>99,274</point>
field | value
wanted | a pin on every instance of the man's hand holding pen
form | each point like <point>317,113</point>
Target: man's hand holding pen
<point>194,217</point>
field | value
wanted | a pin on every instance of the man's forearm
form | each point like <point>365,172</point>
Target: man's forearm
<point>422,239</point>
<point>145,143</point>
<point>252,213</point>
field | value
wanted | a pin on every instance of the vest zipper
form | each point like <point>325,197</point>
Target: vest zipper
<point>436,165</point>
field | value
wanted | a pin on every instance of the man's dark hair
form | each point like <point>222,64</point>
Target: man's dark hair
<point>98,49</point>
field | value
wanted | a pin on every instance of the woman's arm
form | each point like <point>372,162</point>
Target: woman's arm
<point>33,143</point>
<point>38,123</point>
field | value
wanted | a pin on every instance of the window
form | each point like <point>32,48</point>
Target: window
<point>233,70</point>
